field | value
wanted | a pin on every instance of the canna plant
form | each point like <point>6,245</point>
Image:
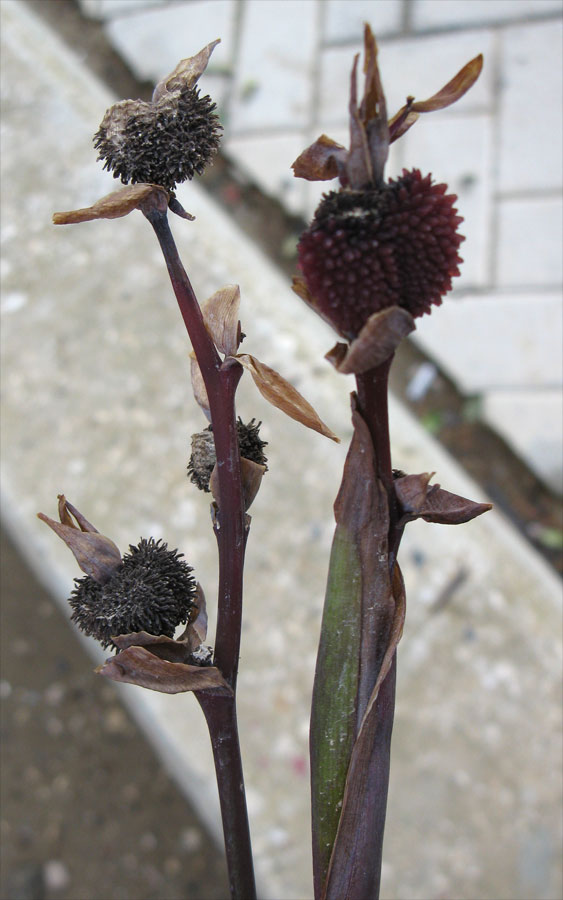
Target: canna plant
<point>376,255</point>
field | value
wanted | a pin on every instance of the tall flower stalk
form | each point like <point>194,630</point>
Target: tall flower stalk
<point>154,146</point>
<point>376,256</point>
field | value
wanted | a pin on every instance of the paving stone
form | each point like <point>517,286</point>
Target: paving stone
<point>531,84</point>
<point>457,150</point>
<point>437,14</point>
<point>153,41</point>
<point>267,159</point>
<point>275,65</point>
<point>416,66</point>
<point>497,341</point>
<point>532,423</point>
<point>344,19</point>
<point>107,9</point>
<point>530,236</point>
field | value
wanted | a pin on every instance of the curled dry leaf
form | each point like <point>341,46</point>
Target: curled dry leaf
<point>221,316</point>
<point>117,204</point>
<point>96,554</point>
<point>321,161</point>
<point>186,73</point>
<point>137,665</point>
<point>283,395</point>
<point>419,500</point>
<point>376,342</point>
<point>450,93</point>
<point>251,474</point>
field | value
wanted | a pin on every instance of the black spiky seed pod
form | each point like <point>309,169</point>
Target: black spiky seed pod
<point>153,590</point>
<point>396,245</point>
<point>203,459</point>
<point>162,143</point>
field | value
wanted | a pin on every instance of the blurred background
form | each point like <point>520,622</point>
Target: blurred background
<point>95,403</point>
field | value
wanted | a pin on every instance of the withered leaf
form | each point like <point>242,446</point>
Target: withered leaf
<point>450,93</point>
<point>378,339</point>
<point>221,316</point>
<point>420,500</point>
<point>96,554</point>
<point>117,204</point>
<point>137,665</point>
<point>321,161</point>
<point>186,72</point>
<point>251,475</point>
<point>454,89</point>
<point>283,395</point>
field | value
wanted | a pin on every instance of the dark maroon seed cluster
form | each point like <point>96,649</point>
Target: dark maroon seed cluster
<point>392,246</point>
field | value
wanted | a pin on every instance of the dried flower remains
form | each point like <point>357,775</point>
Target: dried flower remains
<point>167,140</point>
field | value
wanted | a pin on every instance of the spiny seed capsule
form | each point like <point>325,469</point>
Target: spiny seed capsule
<point>153,590</point>
<point>162,143</point>
<point>203,458</point>
<point>391,246</point>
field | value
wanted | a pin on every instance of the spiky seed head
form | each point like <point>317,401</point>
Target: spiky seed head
<point>203,458</point>
<point>394,245</point>
<point>152,591</point>
<point>163,142</point>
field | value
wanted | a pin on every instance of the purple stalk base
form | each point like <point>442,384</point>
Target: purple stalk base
<point>372,392</point>
<point>221,382</point>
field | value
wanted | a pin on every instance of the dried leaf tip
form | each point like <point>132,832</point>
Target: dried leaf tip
<point>96,554</point>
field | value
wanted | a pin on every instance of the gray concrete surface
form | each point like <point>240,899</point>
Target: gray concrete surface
<point>96,403</point>
<point>499,149</point>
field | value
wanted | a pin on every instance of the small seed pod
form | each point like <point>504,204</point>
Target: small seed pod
<point>153,590</point>
<point>203,459</point>
<point>394,245</point>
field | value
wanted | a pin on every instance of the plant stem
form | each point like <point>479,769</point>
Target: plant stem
<point>221,380</point>
<point>372,391</point>
<point>220,713</point>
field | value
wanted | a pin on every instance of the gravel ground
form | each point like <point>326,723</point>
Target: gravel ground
<point>88,812</point>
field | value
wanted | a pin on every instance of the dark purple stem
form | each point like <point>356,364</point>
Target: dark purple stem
<point>372,391</point>
<point>221,380</point>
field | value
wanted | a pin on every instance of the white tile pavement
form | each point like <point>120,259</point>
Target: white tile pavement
<point>442,13</point>
<point>510,341</point>
<point>530,103</point>
<point>530,237</point>
<point>275,69</point>
<point>539,432</point>
<point>344,19</point>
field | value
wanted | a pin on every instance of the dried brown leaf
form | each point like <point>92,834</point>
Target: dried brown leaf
<point>221,315</point>
<point>420,500</point>
<point>137,665</point>
<point>454,89</point>
<point>186,72</point>
<point>283,395</point>
<point>321,161</point>
<point>376,342</point>
<point>117,204</point>
<point>96,554</point>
